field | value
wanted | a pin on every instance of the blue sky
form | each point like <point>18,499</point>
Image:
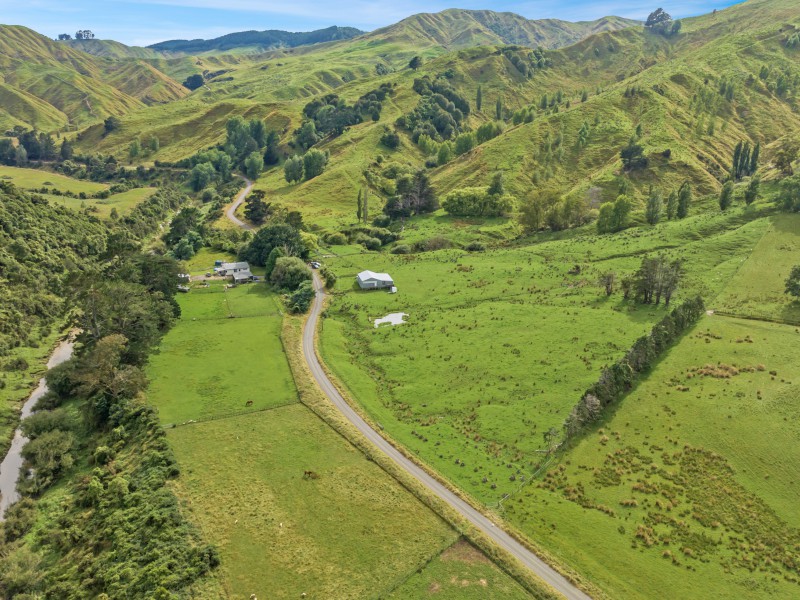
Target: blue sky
<point>142,22</point>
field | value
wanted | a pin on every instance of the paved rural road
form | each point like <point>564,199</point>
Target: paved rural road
<point>237,202</point>
<point>478,519</point>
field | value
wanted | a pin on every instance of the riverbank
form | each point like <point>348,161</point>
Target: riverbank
<point>12,462</point>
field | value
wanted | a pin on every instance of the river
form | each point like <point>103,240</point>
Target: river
<point>12,463</point>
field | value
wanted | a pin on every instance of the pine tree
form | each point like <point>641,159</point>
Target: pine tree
<point>684,200</point>
<point>654,206</point>
<point>672,205</point>
<point>726,196</point>
<point>359,207</point>
<point>479,98</point>
<point>499,109</point>
<point>754,159</point>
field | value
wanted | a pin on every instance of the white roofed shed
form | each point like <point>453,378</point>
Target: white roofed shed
<point>368,280</point>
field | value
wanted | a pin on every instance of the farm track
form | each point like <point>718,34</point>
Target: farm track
<point>230,212</point>
<point>501,538</point>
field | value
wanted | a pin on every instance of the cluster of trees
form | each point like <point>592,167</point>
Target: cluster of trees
<point>615,381</point>
<point>194,82</point>
<point>789,195</point>
<point>440,112</point>
<point>248,146</point>
<point>32,145</point>
<point>657,278</point>
<point>524,60</point>
<point>123,302</point>
<point>185,234</point>
<point>552,211</point>
<point>37,265</point>
<point>331,116</point>
<point>633,156</point>
<point>745,161</point>
<point>480,202</point>
<point>302,168</point>
<point>661,22</point>
<point>414,196</point>
<point>614,216</point>
<point>677,206</point>
<point>146,148</point>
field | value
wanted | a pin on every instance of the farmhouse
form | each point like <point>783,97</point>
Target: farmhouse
<point>367,280</point>
<point>231,268</point>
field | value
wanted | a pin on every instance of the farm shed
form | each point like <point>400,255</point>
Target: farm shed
<point>367,280</point>
<point>243,276</point>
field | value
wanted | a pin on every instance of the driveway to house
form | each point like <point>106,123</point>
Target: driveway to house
<point>230,212</point>
<point>544,571</point>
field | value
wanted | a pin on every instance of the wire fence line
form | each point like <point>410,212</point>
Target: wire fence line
<point>230,415</point>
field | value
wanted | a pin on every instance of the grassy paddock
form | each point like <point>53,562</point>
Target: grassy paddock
<point>498,345</point>
<point>758,289</point>
<point>692,484</point>
<point>38,178</point>
<point>461,572</point>
<point>211,365</point>
<point>341,533</point>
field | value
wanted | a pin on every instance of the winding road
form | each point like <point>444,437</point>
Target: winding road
<point>230,212</point>
<point>530,560</point>
<point>478,519</point>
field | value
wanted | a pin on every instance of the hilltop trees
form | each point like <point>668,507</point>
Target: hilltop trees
<point>661,22</point>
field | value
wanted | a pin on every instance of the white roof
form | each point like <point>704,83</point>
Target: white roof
<point>235,266</point>
<point>366,275</point>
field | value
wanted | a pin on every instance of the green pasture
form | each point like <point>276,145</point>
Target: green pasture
<point>688,489</point>
<point>461,572</point>
<point>342,532</point>
<point>224,356</point>
<point>37,178</point>
<point>498,346</point>
<point>758,288</point>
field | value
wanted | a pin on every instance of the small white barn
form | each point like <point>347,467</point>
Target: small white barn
<point>367,280</point>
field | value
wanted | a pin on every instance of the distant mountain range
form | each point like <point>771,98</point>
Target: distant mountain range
<point>257,40</point>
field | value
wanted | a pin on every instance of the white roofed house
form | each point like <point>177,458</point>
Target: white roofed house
<point>231,268</point>
<point>367,280</point>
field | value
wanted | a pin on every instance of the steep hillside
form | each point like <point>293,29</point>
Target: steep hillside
<point>257,41</point>
<point>112,49</point>
<point>55,86</point>
<point>457,28</point>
